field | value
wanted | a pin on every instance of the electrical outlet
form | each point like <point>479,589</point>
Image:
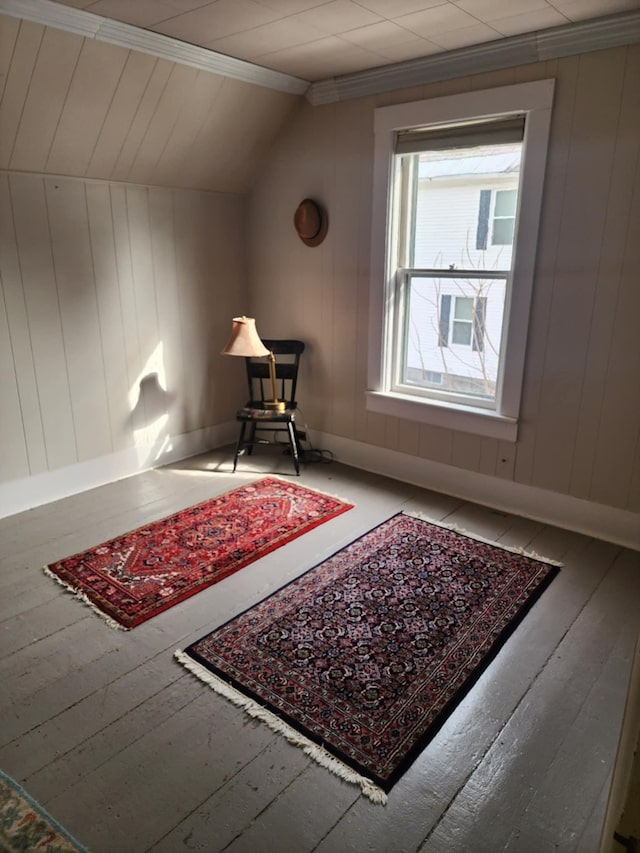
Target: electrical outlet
<point>302,434</point>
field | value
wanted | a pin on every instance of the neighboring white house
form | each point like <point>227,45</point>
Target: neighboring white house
<point>465,212</point>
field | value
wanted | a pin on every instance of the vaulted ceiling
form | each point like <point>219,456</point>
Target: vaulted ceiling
<point>87,108</point>
<point>188,93</point>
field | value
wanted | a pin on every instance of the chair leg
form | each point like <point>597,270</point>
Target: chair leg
<point>252,437</point>
<point>239,443</point>
<point>294,446</point>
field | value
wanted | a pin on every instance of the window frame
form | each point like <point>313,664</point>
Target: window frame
<point>535,101</point>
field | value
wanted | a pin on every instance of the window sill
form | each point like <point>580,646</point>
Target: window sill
<point>464,418</point>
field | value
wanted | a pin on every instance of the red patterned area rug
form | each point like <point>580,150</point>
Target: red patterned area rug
<point>360,660</point>
<point>138,575</point>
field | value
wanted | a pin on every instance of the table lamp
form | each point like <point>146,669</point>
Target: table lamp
<point>246,342</point>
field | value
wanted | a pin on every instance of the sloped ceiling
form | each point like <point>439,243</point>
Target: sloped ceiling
<point>89,96</point>
<point>77,106</point>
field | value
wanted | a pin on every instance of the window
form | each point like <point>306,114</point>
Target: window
<point>446,287</point>
<point>504,218</point>
<point>462,317</point>
<point>453,253</point>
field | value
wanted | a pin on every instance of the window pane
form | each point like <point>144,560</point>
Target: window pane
<point>464,308</point>
<point>424,354</point>
<point>505,203</point>
<point>449,213</point>
<point>503,232</point>
<point>461,333</point>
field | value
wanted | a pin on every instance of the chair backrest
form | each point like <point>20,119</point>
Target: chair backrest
<point>287,353</point>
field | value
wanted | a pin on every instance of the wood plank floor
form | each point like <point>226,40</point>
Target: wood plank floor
<point>131,753</point>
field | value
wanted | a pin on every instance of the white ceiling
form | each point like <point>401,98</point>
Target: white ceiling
<point>320,39</point>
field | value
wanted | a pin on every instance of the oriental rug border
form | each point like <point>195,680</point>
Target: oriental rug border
<point>26,825</point>
<point>133,577</point>
<point>365,704</point>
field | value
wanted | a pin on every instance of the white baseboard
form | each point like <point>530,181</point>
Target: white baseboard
<point>603,522</point>
<point>30,492</point>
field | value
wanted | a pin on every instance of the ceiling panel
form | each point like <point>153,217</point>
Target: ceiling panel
<point>319,39</point>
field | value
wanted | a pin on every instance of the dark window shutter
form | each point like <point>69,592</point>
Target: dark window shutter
<point>445,313</point>
<point>479,318</point>
<point>483,219</point>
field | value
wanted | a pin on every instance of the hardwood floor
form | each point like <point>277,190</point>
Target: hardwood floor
<point>131,753</point>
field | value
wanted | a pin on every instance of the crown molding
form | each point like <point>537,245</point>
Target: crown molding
<point>585,36</point>
<point>88,25</point>
<point>553,43</point>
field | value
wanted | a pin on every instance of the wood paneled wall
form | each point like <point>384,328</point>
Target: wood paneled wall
<point>76,106</point>
<point>115,301</point>
<point>580,424</point>
<point>109,277</point>
<point>123,180</point>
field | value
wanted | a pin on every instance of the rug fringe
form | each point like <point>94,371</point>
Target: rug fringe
<point>259,712</point>
<point>514,549</point>
<point>85,600</point>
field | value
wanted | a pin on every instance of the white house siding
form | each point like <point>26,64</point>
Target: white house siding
<point>445,236</point>
<point>423,350</point>
<point>447,222</point>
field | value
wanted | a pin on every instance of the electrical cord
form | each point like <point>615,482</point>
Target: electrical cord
<point>631,843</point>
<point>312,454</point>
<point>308,454</point>
<point>317,455</point>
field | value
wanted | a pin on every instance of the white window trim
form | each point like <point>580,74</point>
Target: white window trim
<point>535,99</point>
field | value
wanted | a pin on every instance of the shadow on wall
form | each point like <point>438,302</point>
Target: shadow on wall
<point>149,419</point>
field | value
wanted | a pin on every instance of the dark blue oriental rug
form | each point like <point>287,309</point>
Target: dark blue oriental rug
<point>361,659</point>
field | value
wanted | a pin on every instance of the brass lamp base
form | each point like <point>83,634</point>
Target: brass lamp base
<point>273,405</point>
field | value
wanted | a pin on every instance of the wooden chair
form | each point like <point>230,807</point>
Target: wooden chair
<point>256,420</point>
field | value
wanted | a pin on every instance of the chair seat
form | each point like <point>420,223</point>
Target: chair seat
<point>255,413</point>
